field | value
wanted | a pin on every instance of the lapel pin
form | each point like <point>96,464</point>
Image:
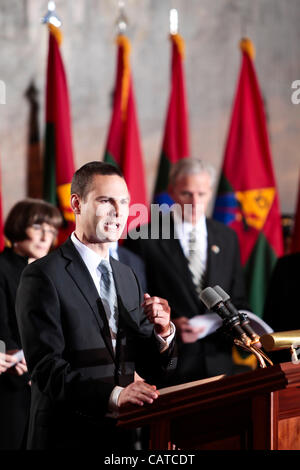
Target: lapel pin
<point>215,249</point>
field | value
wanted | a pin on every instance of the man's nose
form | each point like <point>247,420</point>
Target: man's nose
<point>114,210</point>
<point>195,200</point>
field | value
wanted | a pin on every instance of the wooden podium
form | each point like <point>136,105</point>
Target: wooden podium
<point>253,410</point>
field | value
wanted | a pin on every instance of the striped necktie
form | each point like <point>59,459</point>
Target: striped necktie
<point>109,299</point>
<point>195,260</point>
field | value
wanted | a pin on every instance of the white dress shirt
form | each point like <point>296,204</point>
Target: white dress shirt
<point>91,260</point>
<point>183,230</point>
<point>113,250</point>
<point>209,322</point>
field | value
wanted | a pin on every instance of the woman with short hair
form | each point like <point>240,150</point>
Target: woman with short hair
<point>30,229</point>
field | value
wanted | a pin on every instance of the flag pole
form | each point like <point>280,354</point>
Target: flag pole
<point>173,21</point>
<point>123,146</point>
<point>58,149</point>
<point>122,20</point>
<point>51,16</point>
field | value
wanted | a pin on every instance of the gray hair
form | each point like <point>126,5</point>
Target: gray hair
<point>191,166</point>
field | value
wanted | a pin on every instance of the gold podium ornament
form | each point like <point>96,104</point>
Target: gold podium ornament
<point>282,340</point>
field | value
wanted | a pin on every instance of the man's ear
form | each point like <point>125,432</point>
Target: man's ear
<point>75,203</point>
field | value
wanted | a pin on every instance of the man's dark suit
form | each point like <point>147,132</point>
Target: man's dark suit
<point>168,275</point>
<point>136,263</point>
<point>68,348</point>
<point>281,310</point>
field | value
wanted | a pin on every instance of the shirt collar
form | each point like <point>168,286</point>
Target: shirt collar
<point>183,228</point>
<point>113,250</point>
<point>89,256</point>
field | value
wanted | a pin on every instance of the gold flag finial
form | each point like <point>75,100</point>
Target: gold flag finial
<point>246,45</point>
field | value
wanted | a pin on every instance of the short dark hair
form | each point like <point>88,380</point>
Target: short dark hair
<point>27,212</point>
<point>83,177</point>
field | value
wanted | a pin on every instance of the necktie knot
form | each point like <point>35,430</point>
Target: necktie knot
<point>194,241</point>
<point>105,268</point>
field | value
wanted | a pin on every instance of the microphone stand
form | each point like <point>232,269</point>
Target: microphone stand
<point>215,299</point>
<point>260,356</point>
<point>249,347</point>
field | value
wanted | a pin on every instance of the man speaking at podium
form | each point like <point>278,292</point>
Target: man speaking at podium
<point>86,327</point>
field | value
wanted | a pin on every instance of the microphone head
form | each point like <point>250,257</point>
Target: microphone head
<point>225,297</point>
<point>210,297</point>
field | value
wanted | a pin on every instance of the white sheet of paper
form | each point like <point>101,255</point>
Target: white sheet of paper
<point>258,324</point>
<point>211,322</point>
<point>18,356</point>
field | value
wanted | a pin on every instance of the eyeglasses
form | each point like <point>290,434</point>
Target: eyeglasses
<point>44,230</point>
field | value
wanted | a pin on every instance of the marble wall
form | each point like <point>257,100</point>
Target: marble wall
<point>211,29</point>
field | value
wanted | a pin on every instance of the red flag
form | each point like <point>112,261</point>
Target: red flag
<point>58,153</point>
<point>295,245</point>
<point>176,137</point>
<point>123,147</point>
<point>247,195</point>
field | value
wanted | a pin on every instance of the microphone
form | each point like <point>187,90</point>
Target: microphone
<point>244,320</point>
<point>213,301</point>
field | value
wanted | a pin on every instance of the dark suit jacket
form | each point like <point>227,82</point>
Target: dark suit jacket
<point>11,267</point>
<point>168,276</point>
<point>14,390</point>
<point>68,349</point>
<point>136,263</point>
<point>281,310</point>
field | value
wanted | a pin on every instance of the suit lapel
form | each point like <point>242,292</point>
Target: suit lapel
<point>78,271</point>
<point>123,295</point>
<point>129,313</point>
<point>213,249</point>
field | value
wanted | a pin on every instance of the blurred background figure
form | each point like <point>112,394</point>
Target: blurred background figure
<point>287,223</point>
<point>282,311</point>
<point>197,252</point>
<point>30,229</point>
